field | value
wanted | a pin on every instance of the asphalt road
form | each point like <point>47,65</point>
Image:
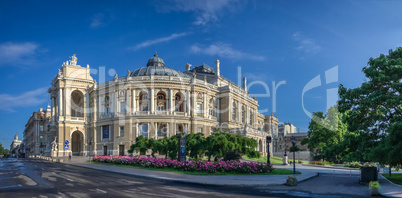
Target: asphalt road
<point>39,178</point>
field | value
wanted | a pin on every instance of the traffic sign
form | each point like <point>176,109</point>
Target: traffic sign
<point>66,146</point>
<point>66,142</point>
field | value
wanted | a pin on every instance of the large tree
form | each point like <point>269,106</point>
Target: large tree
<point>375,109</point>
<point>325,135</point>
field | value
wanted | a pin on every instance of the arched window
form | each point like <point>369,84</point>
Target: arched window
<point>77,104</point>
<point>143,101</point>
<point>212,109</point>
<point>178,103</point>
<point>161,101</point>
<point>234,110</point>
<point>251,117</point>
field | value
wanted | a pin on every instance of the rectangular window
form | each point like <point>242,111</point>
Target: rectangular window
<point>41,128</point>
<point>121,131</point>
<point>199,108</point>
<point>105,131</point>
<point>107,110</point>
<point>199,130</point>
<point>143,129</point>
<point>122,107</point>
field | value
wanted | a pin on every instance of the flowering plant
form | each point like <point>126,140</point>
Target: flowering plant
<point>374,185</point>
<point>189,165</point>
<point>291,178</point>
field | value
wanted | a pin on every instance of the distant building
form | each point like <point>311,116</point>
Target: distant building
<point>36,132</point>
<point>14,151</point>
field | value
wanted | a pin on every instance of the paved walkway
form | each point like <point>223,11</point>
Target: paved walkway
<point>388,189</point>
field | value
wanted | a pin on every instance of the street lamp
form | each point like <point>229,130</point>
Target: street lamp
<point>268,153</point>
<point>293,139</point>
<point>89,143</point>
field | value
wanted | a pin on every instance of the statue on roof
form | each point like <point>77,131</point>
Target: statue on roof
<point>73,60</point>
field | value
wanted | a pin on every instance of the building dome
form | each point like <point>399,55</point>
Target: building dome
<point>16,136</point>
<point>155,61</point>
<point>158,71</point>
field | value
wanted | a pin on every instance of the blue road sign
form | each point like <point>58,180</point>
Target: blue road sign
<point>66,146</point>
<point>66,142</point>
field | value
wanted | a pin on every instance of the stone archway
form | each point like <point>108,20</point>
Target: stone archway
<point>77,140</point>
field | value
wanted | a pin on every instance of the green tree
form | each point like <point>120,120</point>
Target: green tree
<point>141,144</point>
<point>375,108</point>
<point>325,135</point>
<point>195,145</point>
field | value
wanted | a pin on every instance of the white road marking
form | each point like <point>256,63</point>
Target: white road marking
<point>18,185</point>
<point>99,190</point>
<point>69,179</point>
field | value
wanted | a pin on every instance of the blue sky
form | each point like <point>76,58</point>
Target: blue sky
<point>291,41</point>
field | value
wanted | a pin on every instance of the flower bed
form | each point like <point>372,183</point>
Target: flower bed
<point>190,165</point>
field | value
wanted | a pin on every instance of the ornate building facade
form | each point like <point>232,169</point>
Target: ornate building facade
<point>155,101</point>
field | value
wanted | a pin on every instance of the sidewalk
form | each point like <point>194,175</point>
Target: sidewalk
<point>212,180</point>
<point>389,189</point>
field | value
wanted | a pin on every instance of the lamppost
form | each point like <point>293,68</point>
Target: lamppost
<point>89,143</point>
<point>268,153</point>
<point>285,157</point>
<point>293,139</point>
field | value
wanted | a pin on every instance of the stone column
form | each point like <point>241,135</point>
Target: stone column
<point>171,105</point>
<point>188,99</point>
<point>205,106</point>
<point>53,109</point>
<point>137,131</point>
<point>167,130</point>
<point>156,131</point>
<point>152,102</point>
<point>127,102</point>
<point>134,104</point>
<point>68,103</point>
<point>60,102</point>
<point>239,111</point>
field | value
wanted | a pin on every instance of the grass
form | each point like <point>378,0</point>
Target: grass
<point>274,160</point>
<point>276,171</point>
<point>395,178</point>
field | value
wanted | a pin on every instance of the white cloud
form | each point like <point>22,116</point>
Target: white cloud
<point>207,10</point>
<point>158,40</point>
<point>223,50</point>
<point>29,98</point>
<point>19,53</point>
<point>257,76</point>
<point>97,21</point>
<point>305,45</point>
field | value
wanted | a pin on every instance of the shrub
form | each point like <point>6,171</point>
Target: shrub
<point>322,163</point>
<point>300,162</point>
<point>253,154</point>
<point>353,165</point>
<point>374,185</point>
<point>232,155</point>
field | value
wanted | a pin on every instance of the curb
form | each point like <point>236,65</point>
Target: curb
<point>191,182</point>
<point>331,167</point>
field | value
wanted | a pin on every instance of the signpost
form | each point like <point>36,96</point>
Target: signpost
<point>182,147</point>
<point>66,146</point>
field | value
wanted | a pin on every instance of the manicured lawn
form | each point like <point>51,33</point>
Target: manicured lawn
<point>395,178</point>
<point>274,160</point>
<point>276,171</point>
